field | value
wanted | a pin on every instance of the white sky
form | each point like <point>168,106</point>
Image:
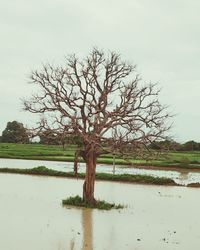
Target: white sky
<point>161,37</point>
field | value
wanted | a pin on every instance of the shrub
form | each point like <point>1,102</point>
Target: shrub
<point>78,201</point>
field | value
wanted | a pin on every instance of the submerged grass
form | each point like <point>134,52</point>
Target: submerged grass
<point>44,171</point>
<point>78,201</point>
<point>41,170</point>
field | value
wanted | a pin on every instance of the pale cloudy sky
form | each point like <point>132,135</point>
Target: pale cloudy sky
<point>161,37</point>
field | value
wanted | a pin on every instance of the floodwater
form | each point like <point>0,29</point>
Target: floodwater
<point>183,177</point>
<point>155,218</point>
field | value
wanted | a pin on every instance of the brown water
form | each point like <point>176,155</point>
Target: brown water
<point>32,217</point>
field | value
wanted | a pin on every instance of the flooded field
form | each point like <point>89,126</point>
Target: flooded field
<point>156,217</point>
<point>181,177</point>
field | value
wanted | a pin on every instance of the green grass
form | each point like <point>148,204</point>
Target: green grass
<point>29,150</point>
<point>41,170</point>
<point>78,201</point>
<point>56,153</point>
<point>141,179</point>
<point>193,157</point>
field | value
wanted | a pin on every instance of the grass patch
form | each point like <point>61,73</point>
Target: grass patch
<point>141,179</point>
<point>56,153</point>
<point>41,170</point>
<point>135,178</point>
<point>78,202</point>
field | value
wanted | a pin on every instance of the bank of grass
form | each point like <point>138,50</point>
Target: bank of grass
<point>185,160</point>
<point>195,185</point>
<point>12,150</point>
<point>99,204</point>
<point>141,179</point>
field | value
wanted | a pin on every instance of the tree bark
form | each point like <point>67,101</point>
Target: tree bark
<point>88,186</point>
<point>114,164</point>
<point>76,159</point>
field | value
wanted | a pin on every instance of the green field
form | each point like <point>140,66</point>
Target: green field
<point>49,152</point>
<point>56,153</point>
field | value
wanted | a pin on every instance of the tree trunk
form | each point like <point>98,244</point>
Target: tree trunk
<point>76,160</point>
<point>114,164</point>
<point>88,186</point>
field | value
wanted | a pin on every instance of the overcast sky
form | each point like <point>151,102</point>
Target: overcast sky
<point>161,37</point>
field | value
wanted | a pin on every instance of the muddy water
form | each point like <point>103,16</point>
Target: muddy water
<point>156,218</point>
<point>182,177</point>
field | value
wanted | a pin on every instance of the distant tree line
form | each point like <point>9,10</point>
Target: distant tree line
<point>15,132</point>
<point>175,146</point>
<point>50,137</point>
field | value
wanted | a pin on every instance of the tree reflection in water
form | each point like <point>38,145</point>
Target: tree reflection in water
<point>72,244</point>
<point>87,229</point>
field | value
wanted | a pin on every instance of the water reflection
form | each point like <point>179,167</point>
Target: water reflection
<point>57,228</point>
<point>86,221</point>
<point>72,244</point>
<point>87,229</point>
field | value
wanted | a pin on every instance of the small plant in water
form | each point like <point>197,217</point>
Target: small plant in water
<point>78,201</point>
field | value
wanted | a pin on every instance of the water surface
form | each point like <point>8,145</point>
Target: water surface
<point>181,177</point>
<point>156,217</point>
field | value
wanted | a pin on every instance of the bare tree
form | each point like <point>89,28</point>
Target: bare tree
<point>95,98</point>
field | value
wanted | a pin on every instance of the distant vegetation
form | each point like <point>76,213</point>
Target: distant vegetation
<point>175,146</point>
<point>15,132</point>
<point>15,142</point>
<point>190,159</point>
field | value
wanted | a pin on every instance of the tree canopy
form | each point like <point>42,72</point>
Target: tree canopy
<point>102,100</point>
<point>15,133</point>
